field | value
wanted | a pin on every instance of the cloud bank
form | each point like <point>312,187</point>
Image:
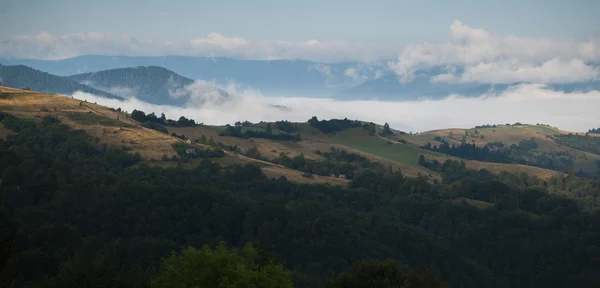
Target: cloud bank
<point>487,58</point>
<point>524,103</point>
<point>47,46</point>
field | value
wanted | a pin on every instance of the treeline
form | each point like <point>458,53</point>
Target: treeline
<point>185,151</point>
<point>238,131</point>
<point>218,144</point>
<point>516,153</point>
<point>584,143</point>
<point>471,151</point>
<point>585,191</point>
<point>152,120</point>
<point>594,131</point>
<point>286,126</point>
<point>336,125</point>
<point>507,124</point>
<point>338,163</point>
<point>82,219</point>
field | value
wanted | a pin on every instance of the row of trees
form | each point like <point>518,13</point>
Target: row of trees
<point>583,143</point>
<point>471,151</point>
<point>238,131</point>
<point>142,117</point>
<point>337,125</point>
<point>522,153</point>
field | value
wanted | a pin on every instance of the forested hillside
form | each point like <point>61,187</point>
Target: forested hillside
<point>86,213</point>
<point>151,84</point>
<point>23,77</point>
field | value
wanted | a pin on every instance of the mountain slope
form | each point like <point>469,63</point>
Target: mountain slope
<point>151,84</point>
<point>25,77</point>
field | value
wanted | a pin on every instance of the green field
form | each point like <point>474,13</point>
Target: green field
<point>25,117</point>
<point>358,139</point>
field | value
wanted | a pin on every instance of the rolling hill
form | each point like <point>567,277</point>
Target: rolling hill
<point>550,146</point>
<point>25,77</point>
<point>151,84</point>
<point>399,151</point>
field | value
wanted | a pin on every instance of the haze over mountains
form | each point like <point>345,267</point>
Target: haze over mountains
<point>272,77</point>
<point>298,78</point>
<point>160,90</point>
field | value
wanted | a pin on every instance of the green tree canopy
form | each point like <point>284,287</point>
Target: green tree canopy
<point>220,268</point>
<point>383,274</point>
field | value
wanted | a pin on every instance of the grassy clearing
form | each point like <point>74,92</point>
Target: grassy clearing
<point>497,168</point>
<point>95,119</point>
<point>25,117</point>
<point>475,203</point>
<point>358,139</point>
<point>296,176</point>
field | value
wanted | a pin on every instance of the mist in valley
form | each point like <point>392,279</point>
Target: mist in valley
<point>531,104</point>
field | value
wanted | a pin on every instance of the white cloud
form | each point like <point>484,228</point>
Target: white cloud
<point>219,40</point>
<point>446,77</point>
<point>323,68</point>
<point>502,59</point>
<point>47,46</point>
<point>362,72</point>
<point>351,73</point>
<point>116,90</point>
<point>523,103</point>
<point>551,71</point>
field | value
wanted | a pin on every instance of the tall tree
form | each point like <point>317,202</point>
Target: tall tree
<point>384,274</point>
<point>220,268</point>
<point>386,129</point>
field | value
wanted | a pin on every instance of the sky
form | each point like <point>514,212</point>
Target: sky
<point>368,22</point>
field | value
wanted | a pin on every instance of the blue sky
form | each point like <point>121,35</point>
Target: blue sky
<point>374,21</point>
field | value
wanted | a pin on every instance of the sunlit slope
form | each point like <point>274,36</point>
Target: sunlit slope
<point>116,129</point>
<point>544,136</point>
<point>399,151</point>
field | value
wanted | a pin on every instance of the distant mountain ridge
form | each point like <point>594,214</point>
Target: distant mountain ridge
<point>296,78</point>
<point>274,77</point>
<point>21,76</point>
<point>151,84</point>
<point>389,88</point>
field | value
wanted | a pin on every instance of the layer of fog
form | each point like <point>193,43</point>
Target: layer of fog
<point>529,104</point>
